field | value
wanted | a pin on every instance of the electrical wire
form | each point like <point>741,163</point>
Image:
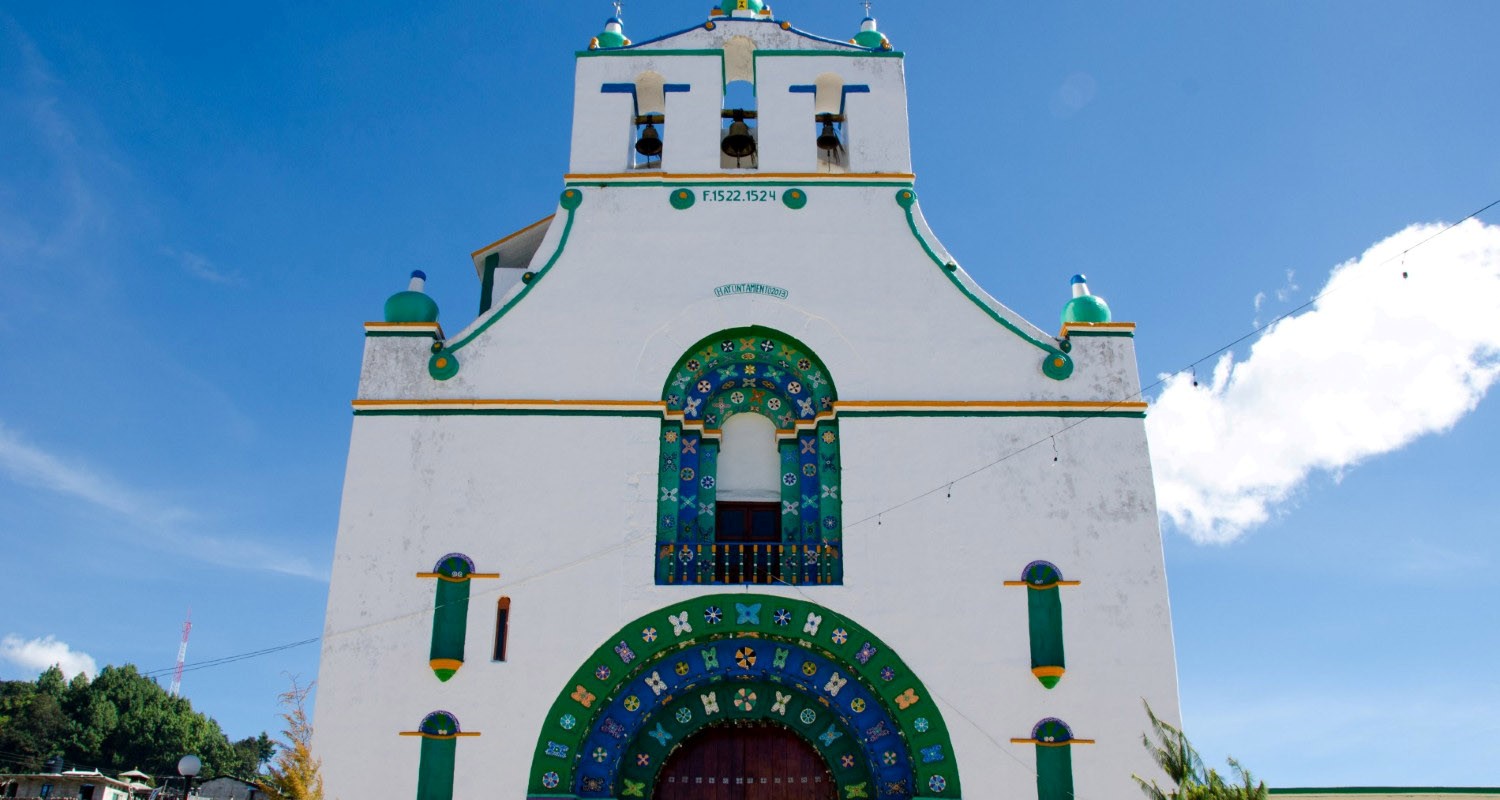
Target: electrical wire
<point>946,484</point>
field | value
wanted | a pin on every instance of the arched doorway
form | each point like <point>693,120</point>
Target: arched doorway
<point>745,761</point>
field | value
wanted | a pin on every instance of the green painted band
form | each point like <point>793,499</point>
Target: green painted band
<point>546,412</point>
<point>1111,414</point>
<point>1080,334</point>
<point>657,184</point>
<point>503,412</point>
<point>562,242</point>
<point>399,334</point>
<point>720,53</point>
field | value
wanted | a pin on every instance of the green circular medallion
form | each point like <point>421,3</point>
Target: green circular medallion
<point>571,199</point>
<point>794,198</point>
<point>682,199</point>
<point>442,366</point>
<point>905,197</point>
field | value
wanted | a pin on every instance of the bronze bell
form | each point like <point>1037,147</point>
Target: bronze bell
<point>738,143</point>
<point>829,140</point>
<point>649,143</point>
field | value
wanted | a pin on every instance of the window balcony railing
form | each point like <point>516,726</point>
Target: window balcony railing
<point>750,562</point>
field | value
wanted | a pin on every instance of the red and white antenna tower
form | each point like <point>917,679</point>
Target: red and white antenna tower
<point>187,627</point>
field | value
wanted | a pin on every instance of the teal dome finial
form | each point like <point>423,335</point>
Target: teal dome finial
<point>1085,306</point>
<point>869,33</point>
<point>613,34</point>
<point>412,305</point>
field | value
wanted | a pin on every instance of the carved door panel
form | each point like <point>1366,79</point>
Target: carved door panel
<point>738,762</point>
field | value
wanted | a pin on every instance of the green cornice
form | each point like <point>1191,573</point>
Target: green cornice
<point>758,54</point>
<point>810,181</point>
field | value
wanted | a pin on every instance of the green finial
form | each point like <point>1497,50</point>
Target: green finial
<point>728,6</point>
<point>613,34</point>
<point>869,35</point>
<point>1084,307</point>
<point>412,305</point>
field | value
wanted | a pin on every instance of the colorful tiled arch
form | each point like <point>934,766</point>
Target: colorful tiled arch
<point>761,371</point>
<point>1044,615</point>
<point>450,612</point>
<point>802,665</point>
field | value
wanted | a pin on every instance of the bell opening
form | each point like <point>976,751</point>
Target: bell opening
<point>832,155</point>
<point>648,140</point>
<point>738,146</point>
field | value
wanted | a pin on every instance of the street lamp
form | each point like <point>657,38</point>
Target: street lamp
<point>188,767</point>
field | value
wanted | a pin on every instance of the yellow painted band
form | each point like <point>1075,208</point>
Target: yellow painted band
<point>504,402</point>
<point>451,579</point>
<point>508,237</point>
<point>1099,404</point>
<point>1043,586</point>
<point>1047,672</point>
<point>436,736</point>
<point>1052,744</point>
<point>445,663</point>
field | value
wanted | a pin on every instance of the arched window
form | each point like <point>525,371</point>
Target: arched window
<point>749,465</point>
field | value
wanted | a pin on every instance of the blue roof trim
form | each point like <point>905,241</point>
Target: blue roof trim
<point>720,20</point>
<point>617,88</point>
<point>677,87</point>
<point>662,38</point>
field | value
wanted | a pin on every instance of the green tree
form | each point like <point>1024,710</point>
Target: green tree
<point>295,775</point>
<point>119,720</point>
<point>251,753</point>
<point>33,724</point>
<point>1172,751</point>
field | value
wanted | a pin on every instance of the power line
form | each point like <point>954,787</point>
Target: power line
<point>602,553</point>
<point>1192,365</point>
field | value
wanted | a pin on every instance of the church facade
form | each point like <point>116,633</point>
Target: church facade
<point>739,486</point>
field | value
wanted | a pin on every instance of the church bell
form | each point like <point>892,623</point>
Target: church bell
<point>738,143</point>
<point>649,144</point>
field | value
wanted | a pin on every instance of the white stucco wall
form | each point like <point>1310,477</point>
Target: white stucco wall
<point>565,507</point>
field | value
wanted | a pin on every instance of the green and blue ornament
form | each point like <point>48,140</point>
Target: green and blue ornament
<point>1085,306</point>
<point>412,305</point>
<point>450,612</point>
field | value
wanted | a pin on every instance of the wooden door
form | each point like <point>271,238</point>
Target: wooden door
<point>745,762</point>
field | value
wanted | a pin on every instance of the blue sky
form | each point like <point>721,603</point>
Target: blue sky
<point>200,205</point>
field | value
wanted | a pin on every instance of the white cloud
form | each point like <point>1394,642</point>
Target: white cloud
<point>1377,362</point>
<point>159,523</point>
<point>36,655</point>
<point>200,267</point>
<point>29,465</point>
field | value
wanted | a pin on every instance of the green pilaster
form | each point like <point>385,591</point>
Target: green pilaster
<point>487,286</point>
<point>708,489</point>
<point>1054,772</point>
<point>1044,613</point>
<point>791,501</point>
<point>830,510</point>
<point>435,773</point>
<point>666,502</point>
<point>450,616</point>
